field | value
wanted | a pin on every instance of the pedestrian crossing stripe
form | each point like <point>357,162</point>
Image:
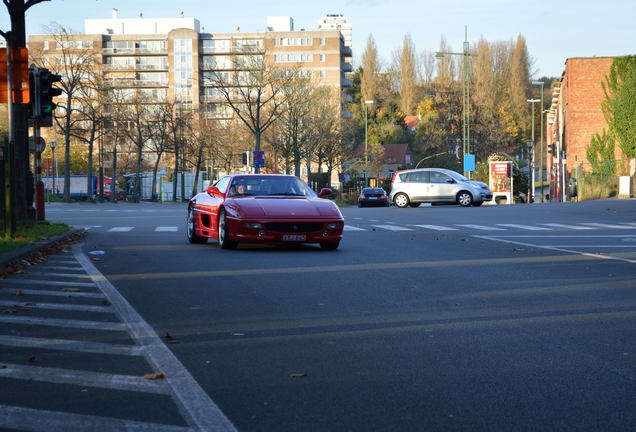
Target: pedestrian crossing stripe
<point>483,227</point>
<point>166,229</point>
<point>121,229</point>
<point>574,227</point>
<point>436,227</point>
<point>352,228</point>
<point>393,227</point>
<point>526,227</point>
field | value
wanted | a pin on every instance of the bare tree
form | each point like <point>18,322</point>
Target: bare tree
<point>426,66</point>
<point>74,62</point>
<point>158,133</point>
<point>255,93</point>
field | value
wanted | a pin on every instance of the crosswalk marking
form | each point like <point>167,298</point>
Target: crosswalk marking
<point>121,229</point>
<point>436,227</point>
<point>56,306</point>
<point>19,418</point>
<point>574,227</point>
<point>55,322</point>
<point>393,227</point>
<point>38,292</point>
<point>482,227</point>
<point>601,225</point>
<point>525,227</point>
<point>71,345</point>
<point>352,228</point>
<point>48,282</point>
<point>166,229</point>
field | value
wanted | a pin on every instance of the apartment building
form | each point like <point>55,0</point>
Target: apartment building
<point>174,59</point>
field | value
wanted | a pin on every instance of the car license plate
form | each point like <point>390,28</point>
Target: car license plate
<point>373,197</point>
<point>294,237</point>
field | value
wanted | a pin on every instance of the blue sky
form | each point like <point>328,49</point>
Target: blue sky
<point>554,30</point>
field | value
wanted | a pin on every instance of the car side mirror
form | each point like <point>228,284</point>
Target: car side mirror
<point>451,181</point>
<point>324,192</point>
<point>213,191</point>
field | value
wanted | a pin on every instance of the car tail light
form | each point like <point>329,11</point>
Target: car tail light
<point>393,177</point>
<point>383,197</point>
<point>361,197</point>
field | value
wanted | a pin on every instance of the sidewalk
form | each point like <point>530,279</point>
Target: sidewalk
<point>23,253</point>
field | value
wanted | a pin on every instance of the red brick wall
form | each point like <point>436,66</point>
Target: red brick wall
<point>582,94</point>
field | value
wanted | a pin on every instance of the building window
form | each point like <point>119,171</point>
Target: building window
<point>322,41</point>
<point>322,57</point>
<point>323,74</point>
<point>293,58</point>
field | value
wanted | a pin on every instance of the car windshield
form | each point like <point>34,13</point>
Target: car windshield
<point>456,176</point>
<point>256,185</point>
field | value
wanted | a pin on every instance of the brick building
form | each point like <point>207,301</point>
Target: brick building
<point>574,116</point>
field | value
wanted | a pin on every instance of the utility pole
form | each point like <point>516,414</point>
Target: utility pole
<point>466,54</point>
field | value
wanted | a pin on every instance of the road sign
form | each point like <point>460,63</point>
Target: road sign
<point>469,162</point>
<point>259,159</point>
<point>38,146</point>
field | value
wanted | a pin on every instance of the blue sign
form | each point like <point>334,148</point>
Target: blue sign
<point>342,178</point>
<point>259,159</point>
<point>469,162</point>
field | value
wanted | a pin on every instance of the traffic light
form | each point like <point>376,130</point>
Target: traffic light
<point>245,158</point>
<point>42,91</point>
<point>47,93</point>
<point>551,149</point>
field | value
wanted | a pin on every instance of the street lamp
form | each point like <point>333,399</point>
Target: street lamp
<point>531,154</point>
<point>466,54</point>
<point>366,141</point>
<point>541,144</point>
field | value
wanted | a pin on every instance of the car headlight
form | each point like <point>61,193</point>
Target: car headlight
<point>254,225</point>
<point>334,226</point>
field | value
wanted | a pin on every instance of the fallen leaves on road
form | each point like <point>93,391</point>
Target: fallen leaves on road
<point>170,339</point>
<point>154,376</point>
<point>70,290</point>
<point>33,359</point>
<point>11,311</point>
<point>3,367</point>
<point>106,303</point>
<point>518,249</point>
<point>19,293</point>
<point>297,375</point>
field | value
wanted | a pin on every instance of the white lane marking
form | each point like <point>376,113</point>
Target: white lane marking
<point>352,228</point>
<point>71,345</point>
<point>592,255</point>
<point>393,227</point>
<point>121,229</point>
<point>574,227</point>
<point>436,227</point>
<point>525,227</point>
<point>601,225</point>
<point>60,293</point>
<point>483,227</point>
<point>60,261</point>
<point>90,227</point>
<point>55,306</point>
<point>629,223</point>
<point>46,282</point>
<point>373,220</point>
<point>84,378</point>
<point>196,406</point>
<point>29,419</point>
<point>595,246</point>
<point>166,229</point>
<point>357,218</point>
<point>569,236</point>
<point>56,322</point>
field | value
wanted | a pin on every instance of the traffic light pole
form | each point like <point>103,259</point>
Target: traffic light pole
<point>9,169</point>
<point>39,185</point>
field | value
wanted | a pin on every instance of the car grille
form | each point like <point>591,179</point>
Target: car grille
<point>293,227</point>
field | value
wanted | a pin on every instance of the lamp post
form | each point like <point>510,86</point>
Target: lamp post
<point>531,154</point>
<point>541,143</point>
<point>466,54</point>
<point>366,141</point>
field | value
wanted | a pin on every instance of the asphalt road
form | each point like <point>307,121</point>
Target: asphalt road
<point>507,318</point>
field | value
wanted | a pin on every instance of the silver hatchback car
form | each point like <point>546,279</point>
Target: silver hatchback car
<point>436,185</point>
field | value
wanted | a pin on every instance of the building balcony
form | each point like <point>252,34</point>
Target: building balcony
<point>346,67</point>
<point>129,51</point>
<point>134,83</point>
<point>346,51</point>
<point>134,67</point>
<point>346,82</point>
<point>211,98</point>
<point>347,114</point>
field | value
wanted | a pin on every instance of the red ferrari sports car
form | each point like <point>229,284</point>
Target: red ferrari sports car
<point>263,208</point>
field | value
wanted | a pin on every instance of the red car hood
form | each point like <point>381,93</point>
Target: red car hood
<point>284,208</point>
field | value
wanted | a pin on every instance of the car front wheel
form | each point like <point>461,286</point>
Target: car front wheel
<point>464,199</point>
<point>191,229</point>
<point>401,200</point>
<point>224,238</point>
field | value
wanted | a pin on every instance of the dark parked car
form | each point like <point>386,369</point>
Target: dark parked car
<point>373,197</point>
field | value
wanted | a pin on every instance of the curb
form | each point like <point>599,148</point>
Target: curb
<point>24,252</point>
